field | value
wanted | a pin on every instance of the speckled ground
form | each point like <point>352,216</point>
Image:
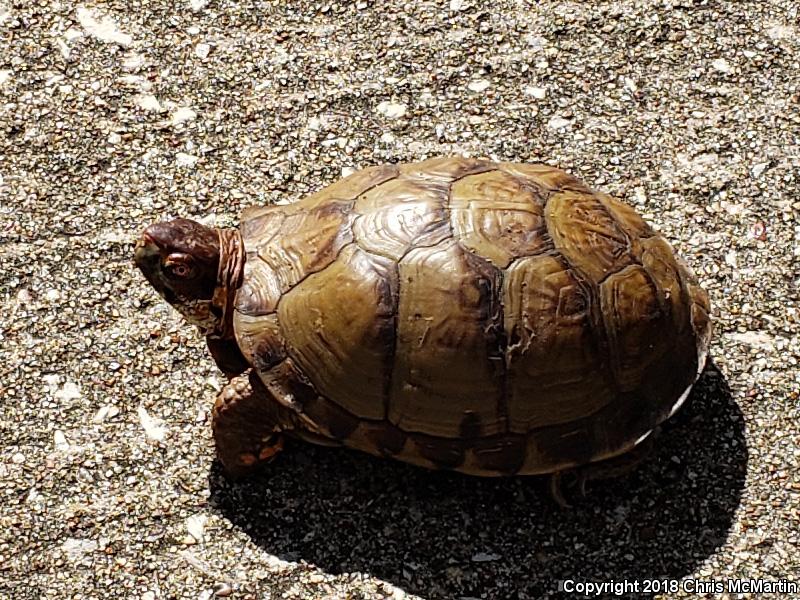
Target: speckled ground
<point>116,114</point>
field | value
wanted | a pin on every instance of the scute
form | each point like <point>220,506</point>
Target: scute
<point>303,242</point>
<point>634,323</point>
<point>498,217</point>
<point>339,328</point>
<point>587,235</point>
<point>555,370</point>
<point>448,314</point>
<point>446,169</point>
<point>401,214</point>
<point>546,176</point>
<point>349,188</point>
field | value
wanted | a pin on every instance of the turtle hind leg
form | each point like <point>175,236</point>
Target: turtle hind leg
<point>247,430</point>
<point>610,468</point>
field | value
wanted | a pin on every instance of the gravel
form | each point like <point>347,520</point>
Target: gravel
<point>120,113</point>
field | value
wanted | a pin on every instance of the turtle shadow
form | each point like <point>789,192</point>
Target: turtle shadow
<point>444,535</point>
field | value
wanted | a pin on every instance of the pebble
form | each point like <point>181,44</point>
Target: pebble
<point>392,110</point>
<point>68,392</point>
<point>195,525</point>
<point>153,428</point>
<point>182,159</point>
<point>202,50</point>
<point>102,27</point>
<point>148,102</point>
<point>537,92</point>
<point>558,122</point>
<point>182,114</point>
<point>479,85</point>
<point>721,65</point>
<point>108,411</point>
<point>60,441</point>
<point>76,550</point>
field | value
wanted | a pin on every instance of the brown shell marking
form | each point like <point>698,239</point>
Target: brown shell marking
<point>446,169</point>
<point>448,314</point>
<point>260,339</point>
<point>413,216</point>
<point>305,242</point>
<point>343,341</point>
<point>550,178</point>
<point>552,356</point>
<point>499,218</point>
<point>587,235</point>
<point>635,325</point>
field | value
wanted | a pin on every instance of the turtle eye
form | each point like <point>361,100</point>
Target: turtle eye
<point>179,266</point>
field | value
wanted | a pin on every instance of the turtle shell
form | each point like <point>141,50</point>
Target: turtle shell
<point>493,318</point>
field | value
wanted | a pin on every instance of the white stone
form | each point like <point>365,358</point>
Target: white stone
<point>75,549</point>
<point>197,4</point>
<point>387,138</point>
<point>133,61</point>
<point>60,441</point>
<point>72,34</point>
<point>182,114</point>
<point>537,92</point>
<point>456,5</point>
<point>347,171</point>
<point>756,339</point>
<point>478,85</point>
<point>114,138</point>
<point>5,75</point>
<point>195,525</point>
<point>758,169</point>
<point>105,412</point>
<point>52,295</point>
<point>557,122</point>
<point>721,65</point>
<point>485,557</point>
<point>392,110</point>
<point>102,27</point>
<point>148,102</point>
<point>202,50</point>
<point>185,160</point>
<point>63,48</point>
<point>780,32</point>
<point>153,428</point>
<point>70,391</point>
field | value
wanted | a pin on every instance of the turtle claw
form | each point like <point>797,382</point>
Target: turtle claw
<point>556,490</point>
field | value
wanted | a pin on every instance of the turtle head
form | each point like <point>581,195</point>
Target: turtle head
<point>181,260</point>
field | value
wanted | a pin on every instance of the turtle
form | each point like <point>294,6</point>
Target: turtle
<point>492,318</point>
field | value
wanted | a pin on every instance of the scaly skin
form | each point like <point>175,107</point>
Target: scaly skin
<point>246,430</point>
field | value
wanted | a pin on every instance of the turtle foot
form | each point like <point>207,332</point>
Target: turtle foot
<point>617,466</point>
<point>245,435</point>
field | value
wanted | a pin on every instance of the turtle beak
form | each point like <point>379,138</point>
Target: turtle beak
<point>146,254</point>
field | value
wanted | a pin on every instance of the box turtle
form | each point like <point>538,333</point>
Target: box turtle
<point>491,318</point>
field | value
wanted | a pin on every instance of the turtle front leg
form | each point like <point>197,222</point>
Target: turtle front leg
<point>246,429</point>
